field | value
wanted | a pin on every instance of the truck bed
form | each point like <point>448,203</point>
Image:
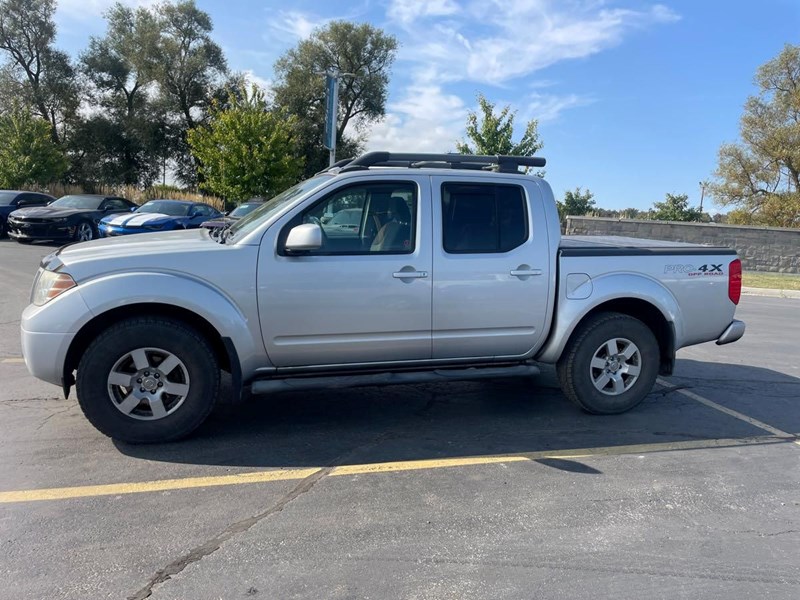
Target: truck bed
<point>610,245</point>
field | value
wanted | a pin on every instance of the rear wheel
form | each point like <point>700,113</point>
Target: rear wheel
<point>610,364</point>
<point>148,380</point>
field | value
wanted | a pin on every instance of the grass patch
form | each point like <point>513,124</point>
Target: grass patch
<point>776,281</point>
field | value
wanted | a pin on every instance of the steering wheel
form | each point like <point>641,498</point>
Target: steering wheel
<point>318,223</point>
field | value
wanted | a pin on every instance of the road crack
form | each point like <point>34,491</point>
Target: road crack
<point>210,546</point>
<point>214,544</point>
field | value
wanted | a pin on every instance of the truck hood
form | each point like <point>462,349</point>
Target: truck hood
<point>192,252</point>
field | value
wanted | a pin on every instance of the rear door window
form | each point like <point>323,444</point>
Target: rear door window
<point>483,217</point>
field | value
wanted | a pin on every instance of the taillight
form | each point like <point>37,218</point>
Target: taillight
<point>735,281</point>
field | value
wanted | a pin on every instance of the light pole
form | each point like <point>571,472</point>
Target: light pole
<point>703,185</point>
<point>332,77</point>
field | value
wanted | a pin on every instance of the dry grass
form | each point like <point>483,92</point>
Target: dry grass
<point>775,281</point>
<point>134,194</point>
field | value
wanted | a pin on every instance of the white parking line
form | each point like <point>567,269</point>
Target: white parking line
<point>729,411</point>
<point>13,360</point>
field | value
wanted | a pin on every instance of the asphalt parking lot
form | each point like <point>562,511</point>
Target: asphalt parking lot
<point>495,489</point>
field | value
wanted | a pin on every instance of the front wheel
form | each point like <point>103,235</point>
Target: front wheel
<point>610,364</point>
<point>84,232</point>
<point>148,380</point>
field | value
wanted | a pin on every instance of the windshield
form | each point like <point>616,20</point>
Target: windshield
<point>244,209</point>
<point>173,209</point>
<point>84,202</point>
<point>250,222</point>
<point>7,197</point>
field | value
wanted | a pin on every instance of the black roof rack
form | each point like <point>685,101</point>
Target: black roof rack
<point>503,164</point>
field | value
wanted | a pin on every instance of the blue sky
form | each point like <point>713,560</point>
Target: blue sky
<point>633,97</point>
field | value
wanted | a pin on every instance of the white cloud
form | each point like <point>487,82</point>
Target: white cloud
<point>548,107</point>
<point>408,11</point>
<point>426,119</point>
<point>496,41</point>
<point>252,77</point>
<point>294,25</point>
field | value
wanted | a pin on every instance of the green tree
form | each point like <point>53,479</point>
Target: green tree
<point>490,133</point>
<point>191,69</point>
<point>576,202</point>
<point>46,77</point>
<point>28,155</point>
<point>675,207</point>
<point>760,176</point>
<point>122,67</point>
<point>246,150</point>
<point>362,50</point>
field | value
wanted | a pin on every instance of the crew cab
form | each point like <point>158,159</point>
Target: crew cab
<point>456,270</point>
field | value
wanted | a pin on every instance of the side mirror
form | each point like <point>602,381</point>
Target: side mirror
<point>304,238</point>
<point>134,208</point>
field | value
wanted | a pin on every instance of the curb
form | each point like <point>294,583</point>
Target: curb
<point>770,293</point>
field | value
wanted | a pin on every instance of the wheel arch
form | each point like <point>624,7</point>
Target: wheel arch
<point>661,321</point>
<point>648,314</point>
<point>223,348</point>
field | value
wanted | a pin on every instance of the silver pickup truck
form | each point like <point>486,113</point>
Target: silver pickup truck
<point>447,267</point>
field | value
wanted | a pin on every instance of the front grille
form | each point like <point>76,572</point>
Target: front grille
<point>32,221</point>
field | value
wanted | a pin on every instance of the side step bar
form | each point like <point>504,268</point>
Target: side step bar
<point>268,386</point>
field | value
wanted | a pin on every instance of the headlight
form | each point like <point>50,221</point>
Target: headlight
<point>49,285</point>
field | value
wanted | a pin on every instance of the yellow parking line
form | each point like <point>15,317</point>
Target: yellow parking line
<point>417,465</point>
<point>114,489</point>
<point>13,360</point>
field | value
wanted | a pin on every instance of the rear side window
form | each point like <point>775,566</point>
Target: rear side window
<point>483,217</point>
<point>115,204</point>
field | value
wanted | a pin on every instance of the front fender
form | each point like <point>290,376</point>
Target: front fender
<point>606,288</point>
<point>117,290</point>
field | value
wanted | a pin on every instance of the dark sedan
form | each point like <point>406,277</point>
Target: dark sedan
<point>245,208</point>
<point>159,215</point>
<point>70,218</point>
<point>11,200</point>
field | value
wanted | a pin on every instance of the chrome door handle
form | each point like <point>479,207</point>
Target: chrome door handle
<point>525,272</point>
<point>410,274</point>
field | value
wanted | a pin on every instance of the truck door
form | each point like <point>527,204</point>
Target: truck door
<point>365,296</point>
<point>491,268</point>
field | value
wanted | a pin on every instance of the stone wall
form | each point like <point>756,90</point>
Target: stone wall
<point>772,249</point>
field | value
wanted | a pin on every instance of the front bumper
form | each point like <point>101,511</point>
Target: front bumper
<point>40,231</point>
<point>47,332</point>
<point>732,332</point>
<point>45,353</point>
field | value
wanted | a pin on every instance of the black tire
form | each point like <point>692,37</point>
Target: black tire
<point>93,231</point>
<point>2,228</point>
<point>576,374</point>
<point>96,365</point>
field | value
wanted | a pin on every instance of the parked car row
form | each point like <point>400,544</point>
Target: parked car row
<point>30,216</point>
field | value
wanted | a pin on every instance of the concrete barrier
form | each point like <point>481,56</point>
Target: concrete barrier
<point>772,249</point>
